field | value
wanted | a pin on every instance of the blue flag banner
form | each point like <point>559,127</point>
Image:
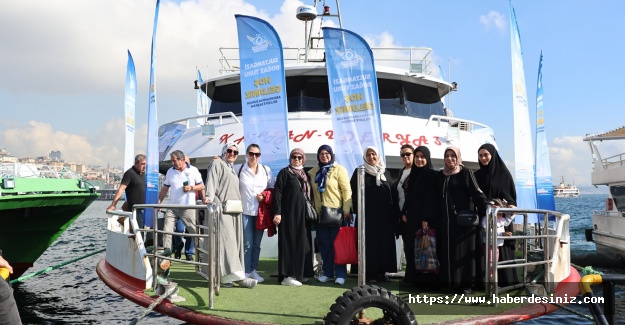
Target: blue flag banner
<point>544,181</point>
<point>202,100</point>
<point>130,99</point>
<point>354,99</point>
<point>151,184</point>
<point>263,91</point>
<point>523,148</point>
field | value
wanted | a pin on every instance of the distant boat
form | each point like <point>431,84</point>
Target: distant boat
<point>37,204</point>
<point>565,190</point>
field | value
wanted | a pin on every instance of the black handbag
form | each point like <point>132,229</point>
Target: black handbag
<point>331,217</point>
<point>311,213</point>
<point>464,218</point>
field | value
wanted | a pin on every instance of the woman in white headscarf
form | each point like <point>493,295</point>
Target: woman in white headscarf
<point>379,217</point>
<point>222,184</point>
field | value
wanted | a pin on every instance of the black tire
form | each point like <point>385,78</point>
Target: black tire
<point>346,307</point>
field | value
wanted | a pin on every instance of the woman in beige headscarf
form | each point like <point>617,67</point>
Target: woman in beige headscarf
<point>459,252</point>
<point>379,219</point>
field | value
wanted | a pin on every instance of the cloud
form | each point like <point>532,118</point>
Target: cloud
<point>494,19</point>
<point>571,158</point>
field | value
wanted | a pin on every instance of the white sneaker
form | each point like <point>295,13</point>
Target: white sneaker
<point>291,282</point>
<point>323,278</point>
<point>247,283</point>
<point>340,281</point>
<point>254,275</point>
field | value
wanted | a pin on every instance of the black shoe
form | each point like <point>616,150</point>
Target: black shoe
<point>189,257</point>
<point>177,254</point>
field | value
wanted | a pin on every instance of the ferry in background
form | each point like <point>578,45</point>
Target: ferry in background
<point>565,190</point>
<point>608,225</point>
<point>37,204</point>
<point>411,105</point>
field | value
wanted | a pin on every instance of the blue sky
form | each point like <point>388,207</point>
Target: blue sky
<point>63,65</point>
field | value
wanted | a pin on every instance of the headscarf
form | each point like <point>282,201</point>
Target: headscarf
<point>299,171</point>
<point>378,169</point>
<point>320,177</point>
<point>495,178</point>
<point>224,150</point>
<point>453,171</point>
<point>416,172</point>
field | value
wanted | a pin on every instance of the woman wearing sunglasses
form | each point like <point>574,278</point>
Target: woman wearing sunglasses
<point>331,189</point>
<point>291,190</point>
<point>222,184</point>
<point>254,178</point>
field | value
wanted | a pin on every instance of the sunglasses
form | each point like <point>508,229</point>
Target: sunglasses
<point>234,152</point>
<point>406,154</point>
<point>297,157</point>
<point>254,154</point>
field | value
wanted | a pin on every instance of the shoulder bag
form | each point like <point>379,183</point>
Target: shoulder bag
<point>331,217</point>
<point>464,218</point>
<point>310,213</point>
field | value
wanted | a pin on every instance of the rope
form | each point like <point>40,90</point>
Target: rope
<point>50,268</point>
<point>154,304</point>
<point>573,311</point>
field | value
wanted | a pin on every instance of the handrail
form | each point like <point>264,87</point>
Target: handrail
<point>220,115</point>
<point>607,315</point>
<point>207,243</point>
<point>551,249</point>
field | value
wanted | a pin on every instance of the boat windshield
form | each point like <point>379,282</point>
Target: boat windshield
<point>311,94</point>
<point>618,195</point>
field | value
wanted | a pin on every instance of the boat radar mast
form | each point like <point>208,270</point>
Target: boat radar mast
<point>309,13</point>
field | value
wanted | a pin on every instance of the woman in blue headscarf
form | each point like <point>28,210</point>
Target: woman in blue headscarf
<point>330,187</point>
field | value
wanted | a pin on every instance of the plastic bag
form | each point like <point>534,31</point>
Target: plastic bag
<point>426,260</point>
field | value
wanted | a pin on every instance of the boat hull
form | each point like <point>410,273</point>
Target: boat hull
<point>32,221</point>
<point>607,234</point>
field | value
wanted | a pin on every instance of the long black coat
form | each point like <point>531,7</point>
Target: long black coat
<point>460,247</point>
<point>294,238</point>
<point>379,225</point>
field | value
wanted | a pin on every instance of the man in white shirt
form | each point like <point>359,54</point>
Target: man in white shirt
<point>183,180</point>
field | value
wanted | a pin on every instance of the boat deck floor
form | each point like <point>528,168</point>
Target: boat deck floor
<point>272,303</point>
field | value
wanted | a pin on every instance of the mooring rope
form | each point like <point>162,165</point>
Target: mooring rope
<point>154,304</point>
<point>50,268</point>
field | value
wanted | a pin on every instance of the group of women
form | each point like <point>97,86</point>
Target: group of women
<point>420,198</point>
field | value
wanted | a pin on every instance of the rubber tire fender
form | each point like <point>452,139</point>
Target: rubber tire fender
<point>345,308</point>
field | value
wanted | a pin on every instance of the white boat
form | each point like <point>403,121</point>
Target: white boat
<point>411,104</point>
<point>608,225</point>
<point>565,190</point>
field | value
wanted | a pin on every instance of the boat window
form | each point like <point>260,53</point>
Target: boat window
<point>311,94</point>
<point>618,195</point>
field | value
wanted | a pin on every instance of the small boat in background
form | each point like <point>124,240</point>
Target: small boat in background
<point>565,190</point>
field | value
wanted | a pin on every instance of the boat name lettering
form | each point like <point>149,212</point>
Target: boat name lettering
<point>263,91</point>
<point>262,81</point>
<point>261,63</point>
<point>403,139</point>
<point>339,81</point>
<point>354,108</point>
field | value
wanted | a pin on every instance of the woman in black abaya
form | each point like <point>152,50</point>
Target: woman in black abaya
<point>495,180</point>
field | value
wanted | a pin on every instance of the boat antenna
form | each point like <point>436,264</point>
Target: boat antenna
<point>306,14</point>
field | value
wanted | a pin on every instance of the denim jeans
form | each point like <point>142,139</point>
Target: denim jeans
<point>251,242</point>
<point>140,218</point>
<point>189,246</point>
<point>325,239</point>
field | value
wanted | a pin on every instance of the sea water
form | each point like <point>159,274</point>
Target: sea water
<point>75,294</point>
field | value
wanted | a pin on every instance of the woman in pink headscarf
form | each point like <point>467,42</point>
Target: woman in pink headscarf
<point>459,246</point>
<point>291,190</point>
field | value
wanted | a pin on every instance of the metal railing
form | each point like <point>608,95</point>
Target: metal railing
<point>206,240</point>
<point>550,240</point>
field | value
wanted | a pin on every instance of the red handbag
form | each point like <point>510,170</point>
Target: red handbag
<point>346,246</point>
